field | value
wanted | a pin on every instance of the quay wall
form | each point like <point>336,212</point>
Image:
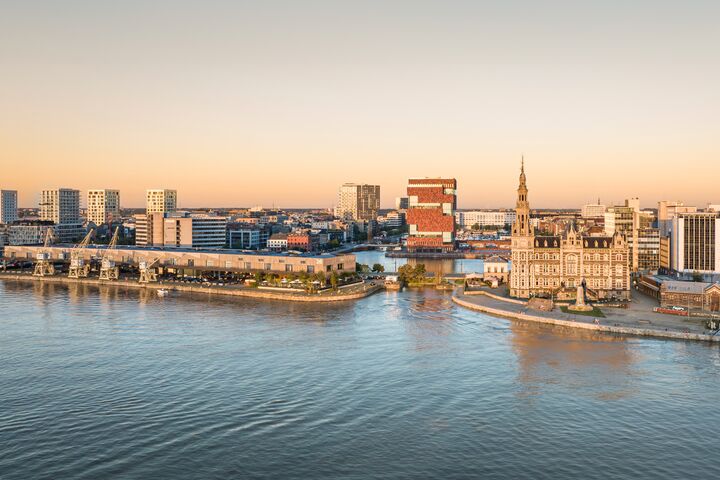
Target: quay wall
<point>212,290</point>
<point>638,332</point>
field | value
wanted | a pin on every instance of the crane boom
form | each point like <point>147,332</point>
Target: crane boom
<point>78,267</point>
<point>43,265</point>
<point>108,269</point>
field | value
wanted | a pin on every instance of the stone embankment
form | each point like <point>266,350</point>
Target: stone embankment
<point>511,308</point>
<point>353,292</point>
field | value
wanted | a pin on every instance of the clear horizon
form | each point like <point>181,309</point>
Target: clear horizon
<point>281,102</point>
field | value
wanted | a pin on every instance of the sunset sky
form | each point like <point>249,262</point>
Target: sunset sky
<point>279,102</point>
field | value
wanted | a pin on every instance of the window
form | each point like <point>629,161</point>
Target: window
<point>228,264</point>
<point>288,267</point>
<point>340,266</point>
<point>268,266</point>
<point>210,263</point>
<point>248,266</point>
<point>310,269</point>
<point>328,268</point>
<point>191,263</point>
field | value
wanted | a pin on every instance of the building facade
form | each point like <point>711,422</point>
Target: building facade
<point>62,207</point>
<point>431,214</point>
<point>247,237</point>
<point>695,243</point>
<point>484,218</point>
<point>8,206</point>
<point>103,206</point>
<point>596,210</point>
<point>160,201</point>
<point>190,261</point>
<point>180,230</point>
<point>358,202</point>
<point>555,266</point>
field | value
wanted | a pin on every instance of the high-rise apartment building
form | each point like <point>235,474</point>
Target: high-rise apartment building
<point>160,201</point>
<point>62,207</point>
<point>103,206</point>
<point>359,202</point>
<point>695,243</point>
<point>431,214</point>
<point>8,206</point>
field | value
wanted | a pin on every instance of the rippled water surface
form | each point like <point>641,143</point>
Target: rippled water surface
<point>105,383</point>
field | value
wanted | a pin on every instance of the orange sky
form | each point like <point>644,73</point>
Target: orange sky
<point>279,103</point>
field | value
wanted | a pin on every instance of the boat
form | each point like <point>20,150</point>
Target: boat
<point>162,292</point>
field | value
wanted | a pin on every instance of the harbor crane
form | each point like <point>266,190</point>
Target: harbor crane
<point>43,265</point>
<point>148,272</point>
<point>78,266</point>
<point>108,269</point>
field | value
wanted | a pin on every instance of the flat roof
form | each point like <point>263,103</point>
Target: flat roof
<point>226,251</point>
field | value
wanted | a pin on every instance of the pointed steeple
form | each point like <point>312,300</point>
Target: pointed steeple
<point>521,226</point>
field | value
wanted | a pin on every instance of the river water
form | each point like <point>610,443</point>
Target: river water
<point>443,266</point>
<point>101,383</point>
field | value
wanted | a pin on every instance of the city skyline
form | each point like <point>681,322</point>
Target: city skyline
<point>274,103</point>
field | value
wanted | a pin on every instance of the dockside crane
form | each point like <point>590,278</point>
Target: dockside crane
<point>148,273</point>
<point>108,269</point>
<point>43,265</point>
<point>78,266</point>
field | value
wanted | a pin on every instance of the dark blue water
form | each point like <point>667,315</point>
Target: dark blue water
<point>102,383</point>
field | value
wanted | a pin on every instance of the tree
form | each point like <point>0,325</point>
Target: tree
<point>361,268</point>
<point>334,280</point>
<point>412,274</point>
<point>378,268</point>
<point>476,226</point>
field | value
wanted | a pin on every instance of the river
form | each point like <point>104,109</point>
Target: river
<point>99,383</point>
<point>443,266</point>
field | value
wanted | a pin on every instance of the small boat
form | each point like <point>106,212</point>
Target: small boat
<point>162,292</point>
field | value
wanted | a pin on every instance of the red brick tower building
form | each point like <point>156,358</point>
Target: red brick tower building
<point>431,214</point>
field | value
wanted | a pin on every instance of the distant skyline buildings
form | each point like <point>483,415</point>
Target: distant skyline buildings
<point>103,205</point>
<point>358,201</point>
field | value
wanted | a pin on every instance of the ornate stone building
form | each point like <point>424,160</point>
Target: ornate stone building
<point>556,265</point>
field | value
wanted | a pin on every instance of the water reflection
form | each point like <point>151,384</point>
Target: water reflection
<point>579,360</point>
<point>372,257</point>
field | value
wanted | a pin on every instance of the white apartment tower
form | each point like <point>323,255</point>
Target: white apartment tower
<point>161,201</point>
<point>8,206</point>
<point>103,206</point>
<point>62,207</point>
<point>360,202</point>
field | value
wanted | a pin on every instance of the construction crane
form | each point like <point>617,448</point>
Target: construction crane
<point>43,265</point>
<point>147,271</point>
<point>78,266</point>
<point>108,269</point>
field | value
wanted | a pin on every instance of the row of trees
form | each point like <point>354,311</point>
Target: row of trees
<point>362,268</point>
<point>310,281</point>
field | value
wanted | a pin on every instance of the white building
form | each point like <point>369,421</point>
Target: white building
<point>180,229</point>
<point>103,206</point>
<point>278,241</point>
<point>596,210</point>
<point>484,218</point>
<point>359,202</point>
<point>695,243</point>
<point>160,201</point>
<point>27,233</point>
<point>62,207</point>
<point>8,206</point>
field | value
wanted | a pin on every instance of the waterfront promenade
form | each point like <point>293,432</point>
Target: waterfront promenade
<point>349,292</point>
<point>637,320</point>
